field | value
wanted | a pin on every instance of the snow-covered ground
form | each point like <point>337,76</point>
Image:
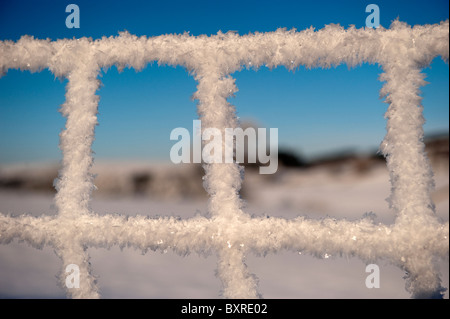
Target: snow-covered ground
<point>318,192</point>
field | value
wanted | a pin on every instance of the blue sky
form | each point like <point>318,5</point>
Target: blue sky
<point>315,111</point>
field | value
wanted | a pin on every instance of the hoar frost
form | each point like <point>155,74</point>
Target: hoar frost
<point>402,51</point>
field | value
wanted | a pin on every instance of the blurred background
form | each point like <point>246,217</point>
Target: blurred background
<point>330,124</point>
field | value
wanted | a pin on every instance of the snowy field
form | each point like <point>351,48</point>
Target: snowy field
<point>26,272</point>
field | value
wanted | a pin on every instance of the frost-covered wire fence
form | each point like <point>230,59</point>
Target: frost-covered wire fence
<point>413,243</point>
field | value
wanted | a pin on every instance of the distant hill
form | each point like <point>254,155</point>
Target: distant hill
<point>185,180</point>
